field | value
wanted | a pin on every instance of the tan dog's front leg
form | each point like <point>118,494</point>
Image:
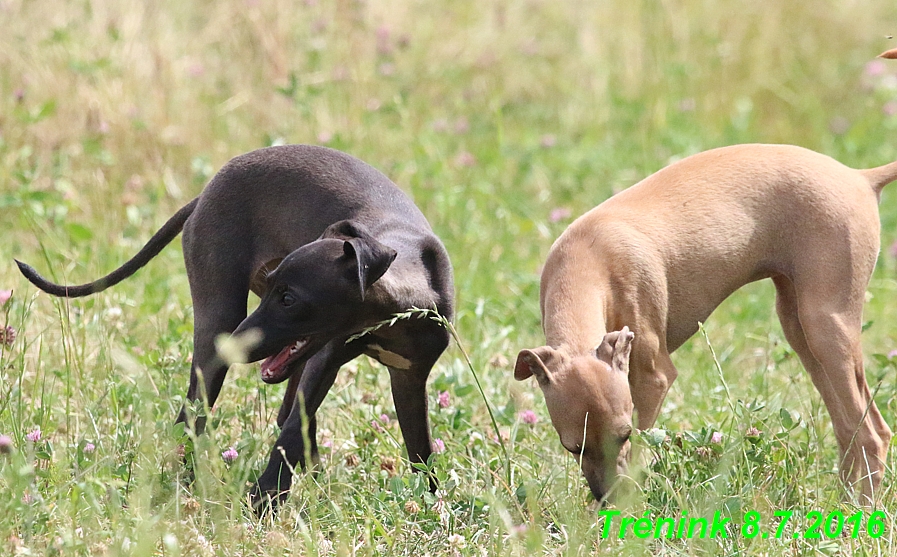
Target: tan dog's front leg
<point>650,376</point>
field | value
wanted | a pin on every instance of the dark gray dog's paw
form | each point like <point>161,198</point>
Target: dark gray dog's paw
<point>264,501</point>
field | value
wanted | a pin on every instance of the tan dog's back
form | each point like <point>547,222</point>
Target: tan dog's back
<point>745,212</point>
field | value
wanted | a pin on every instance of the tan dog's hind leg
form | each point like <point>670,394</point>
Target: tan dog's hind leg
<point>824,327</point>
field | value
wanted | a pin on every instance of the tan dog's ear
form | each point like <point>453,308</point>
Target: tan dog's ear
<point>622,349</point>
<point>615,348</point>
<point>889,54</point>
<point>605,350</point>
<point>533,362</point>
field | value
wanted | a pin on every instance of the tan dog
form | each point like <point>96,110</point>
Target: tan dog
<point>662,255</point>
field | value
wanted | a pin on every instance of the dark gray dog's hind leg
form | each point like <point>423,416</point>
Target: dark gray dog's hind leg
<point>217,309</point>
<point>289,449</point>
<point>211,368</point>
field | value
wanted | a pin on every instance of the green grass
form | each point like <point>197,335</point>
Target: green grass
<point>491,115</point>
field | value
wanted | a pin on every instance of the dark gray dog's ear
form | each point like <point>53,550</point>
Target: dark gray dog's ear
<point>345,230</point>
<point>371,259</point>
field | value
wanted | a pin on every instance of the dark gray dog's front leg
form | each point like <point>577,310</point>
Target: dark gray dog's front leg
<point>409,393</point>
<point>289,396</point>
<point>289,450</point>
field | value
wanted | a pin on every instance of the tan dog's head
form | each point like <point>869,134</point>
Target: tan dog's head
<point>590,404</point>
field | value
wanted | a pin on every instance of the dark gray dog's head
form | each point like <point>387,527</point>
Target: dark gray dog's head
<point>316,294</point>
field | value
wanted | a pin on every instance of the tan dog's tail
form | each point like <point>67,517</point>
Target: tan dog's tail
<point>881,176</point>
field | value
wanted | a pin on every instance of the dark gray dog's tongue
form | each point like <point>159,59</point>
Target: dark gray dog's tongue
<point>273,365</point>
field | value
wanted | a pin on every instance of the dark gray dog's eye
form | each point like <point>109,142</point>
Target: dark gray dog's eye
<point>287,299</point>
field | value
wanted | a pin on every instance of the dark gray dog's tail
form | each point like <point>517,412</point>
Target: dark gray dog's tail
<point>160,239</point>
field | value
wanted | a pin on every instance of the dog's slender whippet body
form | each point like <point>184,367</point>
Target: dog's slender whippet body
<point>332,247</point>
<point>659,257</point>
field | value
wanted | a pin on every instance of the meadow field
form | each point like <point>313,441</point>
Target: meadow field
<point>504,121</point>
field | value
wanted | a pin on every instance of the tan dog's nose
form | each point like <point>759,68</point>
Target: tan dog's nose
<point>596,477</point>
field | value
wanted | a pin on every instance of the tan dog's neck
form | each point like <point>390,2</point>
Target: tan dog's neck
<point>574,298</point>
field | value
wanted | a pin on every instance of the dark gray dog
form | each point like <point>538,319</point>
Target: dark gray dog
<point>348,249</point>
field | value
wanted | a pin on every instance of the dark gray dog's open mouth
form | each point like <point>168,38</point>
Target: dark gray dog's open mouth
<point>276,368</point>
